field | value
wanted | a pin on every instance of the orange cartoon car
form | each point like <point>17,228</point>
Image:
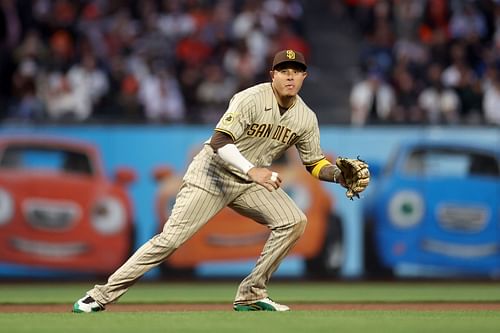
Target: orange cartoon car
<point>230,236</point>
<point>57,208</point>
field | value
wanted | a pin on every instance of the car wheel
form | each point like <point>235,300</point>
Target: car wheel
<point>173,273</point>
<point>373,266</point>
<point>329,260</point>
<point>132,237</point>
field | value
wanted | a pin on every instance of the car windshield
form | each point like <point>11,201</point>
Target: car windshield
<point>45,158</point>
<point>451,163</point>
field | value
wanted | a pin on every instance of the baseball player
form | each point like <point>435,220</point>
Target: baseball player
<point>234,169</point>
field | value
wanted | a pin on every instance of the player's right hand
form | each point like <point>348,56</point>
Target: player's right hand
<point>265,177</point>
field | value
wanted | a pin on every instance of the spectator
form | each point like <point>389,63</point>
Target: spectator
<point>362,12</point>
<point>32,47</point>
<point>245,20</point>
<point>65,102</point>
<point>10,25</point>
<point>453,36</point>
<point>10,36</point>
<point>121,32</point>
<point>61,51</point>
<point>492,101</point>
<point>64,14</point>
<point>27,107</point>
<point>470,93</point>
<point>193,50</point>
<point>406,110</point>
<point>160,94</point>
<point>214,92</point>
<point>174,22</point>
<point>288,11</point>
<point>453,74</point>
<point>91,28</point>
<point>440,104</point>
<point>372,100</point>
<point>240,63</point>
<point>435,19</point>
<point>467,21</point>
<point>127,101</point>
<point>407,16</point>
<point>189,79</point>
<point>377,49</point>
<point>185,35</point>
<point>122,101</point>
<point>88,77</point>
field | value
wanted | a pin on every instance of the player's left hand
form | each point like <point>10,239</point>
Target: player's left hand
<point>355,175</point>
<point>265,177</point>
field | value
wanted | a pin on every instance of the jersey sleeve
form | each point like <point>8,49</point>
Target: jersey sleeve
<point>309,145</point>
<point>238,116</point>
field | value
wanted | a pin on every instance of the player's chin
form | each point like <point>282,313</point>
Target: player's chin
<point>290,92</point>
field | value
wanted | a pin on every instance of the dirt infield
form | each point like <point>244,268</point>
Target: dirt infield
<point>59,308</point>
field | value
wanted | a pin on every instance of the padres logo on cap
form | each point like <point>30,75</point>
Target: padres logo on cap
<point>290,54</point>
<point>228,119</point>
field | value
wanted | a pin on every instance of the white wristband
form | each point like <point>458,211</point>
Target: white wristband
<point>230,154</point>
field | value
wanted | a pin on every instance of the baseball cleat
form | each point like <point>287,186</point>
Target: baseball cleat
<point>265,304</point>
<point>87,304</point>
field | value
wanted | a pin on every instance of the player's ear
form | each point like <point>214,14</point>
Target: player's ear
<point>271,74</point>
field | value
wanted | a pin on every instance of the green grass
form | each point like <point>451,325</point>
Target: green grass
<point>227,321</point>
<point>297,292</point>
<point>231,322</point>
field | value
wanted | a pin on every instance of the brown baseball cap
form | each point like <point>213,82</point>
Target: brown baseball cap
<point>289,56</point>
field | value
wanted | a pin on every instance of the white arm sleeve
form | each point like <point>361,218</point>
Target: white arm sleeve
<point>230,154</point>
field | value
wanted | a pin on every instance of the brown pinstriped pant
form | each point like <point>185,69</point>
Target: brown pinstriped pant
<point>206,189</point>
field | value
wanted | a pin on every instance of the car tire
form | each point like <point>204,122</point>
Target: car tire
<point>174,274</point>
<point>373,266</point>
<point>132,238</point>
<point>329,260</point>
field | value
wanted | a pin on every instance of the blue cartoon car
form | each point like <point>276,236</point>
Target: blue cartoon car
<point>435,210</point>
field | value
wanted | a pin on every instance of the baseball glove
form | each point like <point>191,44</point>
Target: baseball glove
<point>355,173</point>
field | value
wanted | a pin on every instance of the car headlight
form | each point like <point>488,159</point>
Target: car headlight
<point>406,209</point>
<point>6,207</point>
<point>108,216</point>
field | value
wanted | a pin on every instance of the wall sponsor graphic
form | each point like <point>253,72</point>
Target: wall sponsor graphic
<point>146,149</point>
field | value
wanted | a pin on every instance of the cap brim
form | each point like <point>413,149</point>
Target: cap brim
<point>302,65</point>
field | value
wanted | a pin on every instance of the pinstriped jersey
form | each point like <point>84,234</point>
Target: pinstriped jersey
<point>262,134</point>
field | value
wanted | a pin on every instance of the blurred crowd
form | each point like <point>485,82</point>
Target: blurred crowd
<point>180,61</point>
<point>157,61</point>
<point>427,62</point>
